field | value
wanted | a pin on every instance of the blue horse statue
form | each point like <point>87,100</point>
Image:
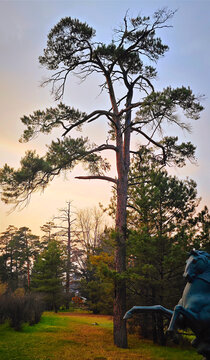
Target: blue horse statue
<point>193,309</point>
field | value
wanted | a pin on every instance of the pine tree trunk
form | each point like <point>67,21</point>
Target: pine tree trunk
<point>120,333</point>
<point>123,164</point>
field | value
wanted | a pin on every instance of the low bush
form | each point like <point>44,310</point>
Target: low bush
<point>19,308</point>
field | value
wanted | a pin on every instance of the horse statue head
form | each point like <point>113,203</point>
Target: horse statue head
<point>197,265</point>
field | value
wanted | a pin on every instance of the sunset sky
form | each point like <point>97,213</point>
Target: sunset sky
<point>24,26</point>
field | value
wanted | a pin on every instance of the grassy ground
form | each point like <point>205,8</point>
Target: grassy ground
<point>75,337</point>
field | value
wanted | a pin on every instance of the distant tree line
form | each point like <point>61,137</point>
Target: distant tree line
<point>52,264</point>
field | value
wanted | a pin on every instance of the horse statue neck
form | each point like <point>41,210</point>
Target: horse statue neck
<point>206,274</point>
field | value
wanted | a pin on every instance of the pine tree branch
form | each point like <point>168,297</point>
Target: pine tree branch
<point>130,107</point>
<point>98,177</point>
<point>102,148</point>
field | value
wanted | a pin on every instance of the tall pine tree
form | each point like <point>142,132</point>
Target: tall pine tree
<point>127,60</point>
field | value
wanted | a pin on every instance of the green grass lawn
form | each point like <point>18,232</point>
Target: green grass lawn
<point>74,337</point>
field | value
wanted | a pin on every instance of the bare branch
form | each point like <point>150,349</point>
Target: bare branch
<point>91,117</point>
<point>145,79</point>
<point>151,140</point>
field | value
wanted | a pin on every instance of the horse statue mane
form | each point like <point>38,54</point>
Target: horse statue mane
<point>200,253</point>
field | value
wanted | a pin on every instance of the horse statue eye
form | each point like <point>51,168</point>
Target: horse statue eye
<point>194,261</point>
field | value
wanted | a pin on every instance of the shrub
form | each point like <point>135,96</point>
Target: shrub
<point>35,308</point>
<point>3,289</point>
<point>19,308</point>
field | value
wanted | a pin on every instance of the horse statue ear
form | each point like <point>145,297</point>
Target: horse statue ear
<point>194,252</point>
